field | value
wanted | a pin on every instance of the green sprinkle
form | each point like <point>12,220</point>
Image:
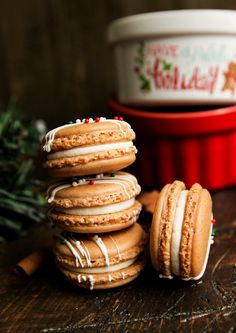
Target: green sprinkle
<point>113,174</point>
<point>62,241</point>
<point>213,233</point>
<point>70,122</point>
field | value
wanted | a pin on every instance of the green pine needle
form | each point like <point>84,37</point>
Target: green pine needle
<point>20,200</point>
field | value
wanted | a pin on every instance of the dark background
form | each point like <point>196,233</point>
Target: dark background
<point>54,58</point>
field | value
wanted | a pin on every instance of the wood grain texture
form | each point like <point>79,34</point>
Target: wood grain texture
<point>46,303</point>
<point>54,57</point>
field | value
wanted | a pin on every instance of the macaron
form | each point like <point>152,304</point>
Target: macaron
<point>181,231</point>
<point>89,146</point>
<point>101,261</point>
<point>95,204</point>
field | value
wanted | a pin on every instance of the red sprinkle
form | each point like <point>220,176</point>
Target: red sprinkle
<point>91,182</point>
<point>116,118</point>
<point>97,119</point>
<point>121,118</point>
<point>213,221</point>
<point>86,121</point>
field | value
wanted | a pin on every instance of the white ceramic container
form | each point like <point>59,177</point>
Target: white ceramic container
<point>175,57</point>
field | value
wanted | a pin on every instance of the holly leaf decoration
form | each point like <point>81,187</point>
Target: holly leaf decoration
<point>139,61</point>
<point>167,66</point>
<point>145,83</point>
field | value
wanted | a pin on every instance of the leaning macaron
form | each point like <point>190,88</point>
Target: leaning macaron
<point>181,231</point>
<point>101,261</point>
<point>96,204</point>
<point>89,146</point>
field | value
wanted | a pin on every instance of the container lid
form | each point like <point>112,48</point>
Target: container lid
<point>208,21</point>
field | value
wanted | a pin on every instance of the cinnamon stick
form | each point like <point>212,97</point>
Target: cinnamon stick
<point>30,264</point>
<point>148,200</point>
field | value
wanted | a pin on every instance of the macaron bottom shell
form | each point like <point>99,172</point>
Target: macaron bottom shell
<point>90,164</point>
<point>104,280</point>
<point>96,223</point>
<point>101,261</point>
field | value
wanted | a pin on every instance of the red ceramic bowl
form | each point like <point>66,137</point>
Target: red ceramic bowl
<point>190,146</point>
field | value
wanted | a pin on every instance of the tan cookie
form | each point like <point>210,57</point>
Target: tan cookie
<point>89,147</point>
<point>101,203</point>
<point>101,261</point>
<point>181,231</point>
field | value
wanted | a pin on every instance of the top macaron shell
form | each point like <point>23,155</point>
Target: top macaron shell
<point>101,203</point>
<point>191,253</point>
<point>85,148</point>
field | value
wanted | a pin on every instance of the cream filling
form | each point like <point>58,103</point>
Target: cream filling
<point>106,269</point>
<point>177,232</point>
<point>99,210</point>
<point>90,149</point>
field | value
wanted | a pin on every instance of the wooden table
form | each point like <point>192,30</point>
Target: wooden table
<point>46,303</point>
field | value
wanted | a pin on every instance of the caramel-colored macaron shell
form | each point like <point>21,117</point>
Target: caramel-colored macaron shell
<point>166,226</point>
<point>91,134</point>
<point>106,280</point>
<point>195,231</point>
<point>82,135</point>
<point>105,161</point>
<point>121,246</point>
<point>202,232</point>
<point>155,227</point>
<point>96,223</point>
<point>104,192</point>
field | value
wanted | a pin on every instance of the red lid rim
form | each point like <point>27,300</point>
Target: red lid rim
<point>171,115</point>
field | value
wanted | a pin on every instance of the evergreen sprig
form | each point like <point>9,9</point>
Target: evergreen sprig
<point>20,200</point>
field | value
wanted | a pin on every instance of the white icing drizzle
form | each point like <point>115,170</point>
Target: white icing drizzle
<point>87,256</point>
<point>83,252</point>
<point>121,180</point>
<point>49,137</point>
<point>116,246</point>
<point>123,275</point>
<point>73,251</point>
<point>102,247</point>
<point>79,278</point>
<point>53,189</point>
<point>80,246</point>
<point>130,179</point>
<point>109,277</point>
<point>111,181</point>
<point>91,281</point>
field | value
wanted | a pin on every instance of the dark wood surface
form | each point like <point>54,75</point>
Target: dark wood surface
<point>46,303</point>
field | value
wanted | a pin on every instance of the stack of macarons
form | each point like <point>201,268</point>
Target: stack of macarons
<point>101,245</point>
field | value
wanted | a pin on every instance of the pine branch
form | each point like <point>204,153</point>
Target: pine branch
<point>20,200</point>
